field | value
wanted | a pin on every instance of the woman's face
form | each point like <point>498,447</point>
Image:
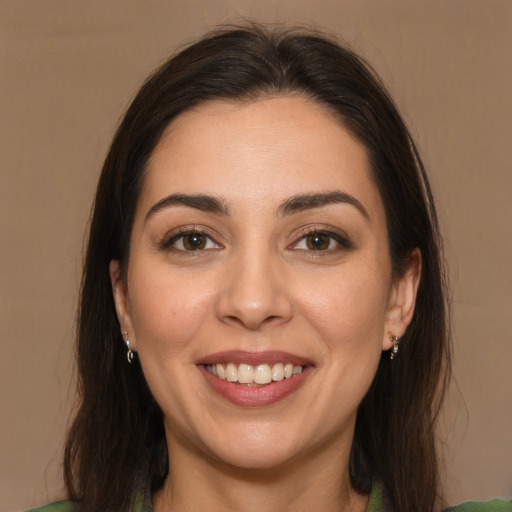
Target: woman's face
<point>259,250</point>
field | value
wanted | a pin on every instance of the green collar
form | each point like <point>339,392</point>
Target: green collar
<point>376,503</point>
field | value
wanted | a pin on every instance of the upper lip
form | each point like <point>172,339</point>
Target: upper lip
<point>254,358</point>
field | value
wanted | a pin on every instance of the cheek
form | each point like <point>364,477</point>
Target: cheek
<point>349,309</point>
<point>167,310</point>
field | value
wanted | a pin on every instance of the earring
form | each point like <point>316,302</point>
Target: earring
<point>129,354</point>
<point>394,350</point>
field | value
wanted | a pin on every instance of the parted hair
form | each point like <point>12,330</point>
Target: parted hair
<point>116,449</point>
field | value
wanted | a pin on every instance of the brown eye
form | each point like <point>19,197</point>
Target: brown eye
<point>194,242</point>
<point>318,241</point>
<point>189,241</point>
<point>322,241</point>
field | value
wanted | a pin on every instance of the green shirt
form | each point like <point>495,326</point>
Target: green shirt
<point>375,504</point>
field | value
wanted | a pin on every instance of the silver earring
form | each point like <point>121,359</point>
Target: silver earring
<point>394,350</point>
<point>129,351</point>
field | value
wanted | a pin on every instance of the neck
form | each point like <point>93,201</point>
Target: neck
<point>321,482</point>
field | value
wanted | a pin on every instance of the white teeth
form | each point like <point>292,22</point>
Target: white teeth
<point>231,374</point>
<point>277,372</point>
<point>262,374</point>
<point>247,374</point>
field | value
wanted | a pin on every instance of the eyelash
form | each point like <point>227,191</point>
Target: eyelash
<point>169,243</point>
<point>341,241</point>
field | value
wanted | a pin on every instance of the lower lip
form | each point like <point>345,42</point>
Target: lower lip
<point>255,396</point>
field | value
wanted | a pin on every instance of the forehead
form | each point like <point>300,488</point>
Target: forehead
<point>268,148</point>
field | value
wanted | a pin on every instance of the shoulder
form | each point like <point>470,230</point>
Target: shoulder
<point>483,506</point>
<point>141,505</point>
<point>376,504</point>
<point>58,506</point>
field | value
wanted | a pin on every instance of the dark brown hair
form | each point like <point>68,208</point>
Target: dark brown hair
<point>116,446</point>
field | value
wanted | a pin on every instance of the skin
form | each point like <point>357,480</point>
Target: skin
<point>258,285</point>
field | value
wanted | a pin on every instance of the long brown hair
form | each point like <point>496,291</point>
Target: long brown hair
<point>116,446</point>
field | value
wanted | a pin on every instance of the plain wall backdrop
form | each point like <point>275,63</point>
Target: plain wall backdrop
<point>68,70</point>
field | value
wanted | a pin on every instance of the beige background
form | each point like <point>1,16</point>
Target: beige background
<point>67,71</point>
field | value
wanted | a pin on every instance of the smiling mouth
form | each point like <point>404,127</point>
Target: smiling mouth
<point>254,375</point>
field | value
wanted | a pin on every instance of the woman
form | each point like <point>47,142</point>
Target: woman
<point>263,313</point>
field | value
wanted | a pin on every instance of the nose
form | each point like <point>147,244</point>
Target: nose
<point>254,293</point>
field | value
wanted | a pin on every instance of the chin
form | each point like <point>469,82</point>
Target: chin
<point>257,459</point>
<point>257,448</point>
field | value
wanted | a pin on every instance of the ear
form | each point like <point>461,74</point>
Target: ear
<point>402,299</point>
<point>121,302</point>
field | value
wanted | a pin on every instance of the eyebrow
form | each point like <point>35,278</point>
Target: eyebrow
<point>303,202</point>
<point>201,202</point>
<point>298,203</point>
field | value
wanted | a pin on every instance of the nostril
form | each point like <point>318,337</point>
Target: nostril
<point>249,323</point>
<point>252,304</point>
<point>233,319</point>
